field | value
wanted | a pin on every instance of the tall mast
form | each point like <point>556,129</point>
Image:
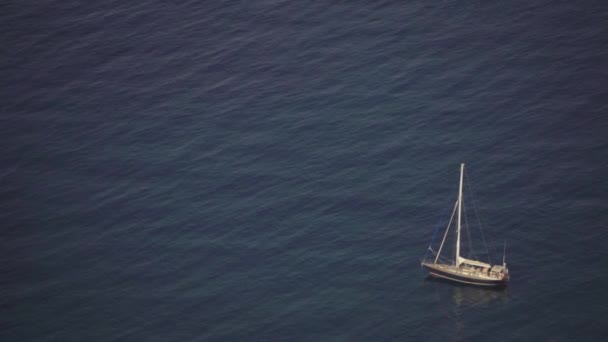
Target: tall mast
<point>459,215</point>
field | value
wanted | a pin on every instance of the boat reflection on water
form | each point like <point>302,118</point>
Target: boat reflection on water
<point>468,296</point>
<point>455,302</point>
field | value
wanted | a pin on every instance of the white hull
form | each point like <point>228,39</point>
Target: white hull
<point>467,275</point>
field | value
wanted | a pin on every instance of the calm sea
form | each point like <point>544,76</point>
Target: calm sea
<point>274,170</point>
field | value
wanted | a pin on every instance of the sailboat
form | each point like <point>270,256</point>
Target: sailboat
<point>463,270</point>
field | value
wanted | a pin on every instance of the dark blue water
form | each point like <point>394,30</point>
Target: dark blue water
<point>274,170</point>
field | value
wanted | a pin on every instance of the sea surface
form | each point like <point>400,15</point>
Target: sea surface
<point>276,170</point>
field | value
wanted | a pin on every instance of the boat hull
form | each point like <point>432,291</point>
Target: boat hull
<point>463,279</point>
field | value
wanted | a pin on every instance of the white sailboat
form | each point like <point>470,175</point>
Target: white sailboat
<point>463,270</point>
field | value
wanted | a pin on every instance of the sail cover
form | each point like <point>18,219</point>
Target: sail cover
<point>462,260</point>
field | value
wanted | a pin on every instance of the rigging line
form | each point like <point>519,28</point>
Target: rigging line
<point>446,232</point>
<point>470,187</point>
<point>467,228</point>
<point>478,220</point>
<point>444,260</point>
<point>439,224</point>
<point>440,258</point>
